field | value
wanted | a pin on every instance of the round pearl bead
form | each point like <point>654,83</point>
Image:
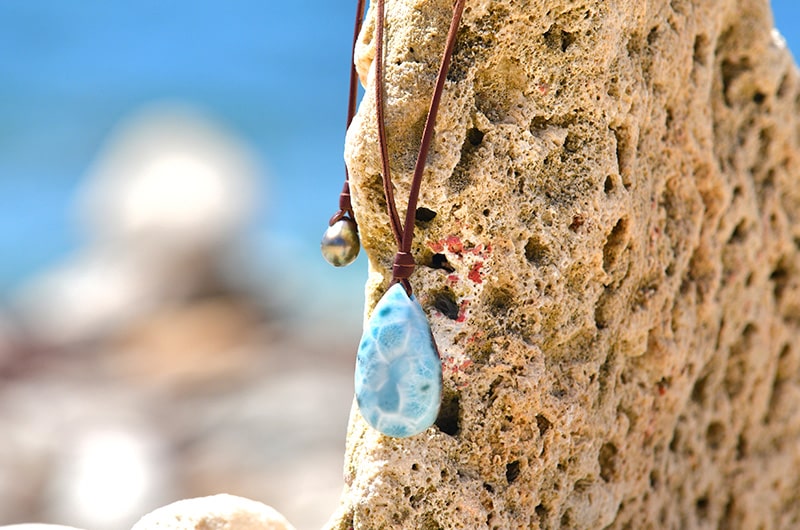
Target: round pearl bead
<point>340,244</point>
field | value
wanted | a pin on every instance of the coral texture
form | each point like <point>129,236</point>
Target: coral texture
<point>607,239</point>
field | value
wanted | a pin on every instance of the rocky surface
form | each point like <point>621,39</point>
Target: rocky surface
<point>608,237</point>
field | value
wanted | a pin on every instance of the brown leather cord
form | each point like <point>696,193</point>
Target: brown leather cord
<point>404,262</point>
<point>388,189</point>
<point>345,206</point>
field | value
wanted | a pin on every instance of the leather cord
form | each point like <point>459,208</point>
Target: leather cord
<point>404,262</point>
<point>345,206</point>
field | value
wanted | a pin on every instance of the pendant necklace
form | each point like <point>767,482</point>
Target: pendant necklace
<point>398,376</point>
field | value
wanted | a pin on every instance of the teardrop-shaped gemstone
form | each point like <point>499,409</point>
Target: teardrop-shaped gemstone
<point>398,371</point>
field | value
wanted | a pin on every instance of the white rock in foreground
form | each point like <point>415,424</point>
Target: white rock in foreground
<point>217,511</point>
<point>36,526</point>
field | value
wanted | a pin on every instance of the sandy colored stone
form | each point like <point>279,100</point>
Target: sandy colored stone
<point>217,512</point>
<point>612,273</point>
<point>37,526</point>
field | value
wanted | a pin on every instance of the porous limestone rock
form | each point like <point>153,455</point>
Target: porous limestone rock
<point>223,512</point>
<point>608,254</point>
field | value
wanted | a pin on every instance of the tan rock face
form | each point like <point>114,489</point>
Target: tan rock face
<point>612,273</point>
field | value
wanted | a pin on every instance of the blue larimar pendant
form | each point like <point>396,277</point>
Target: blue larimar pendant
<point>398,371</point>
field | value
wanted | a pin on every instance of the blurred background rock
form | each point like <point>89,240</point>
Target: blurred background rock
<point>167,327</point>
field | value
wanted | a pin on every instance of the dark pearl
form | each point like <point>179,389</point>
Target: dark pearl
<point>340,244</point>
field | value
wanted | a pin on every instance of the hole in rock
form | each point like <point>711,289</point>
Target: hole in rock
<point>701,49</point>
<point>475,136</point>
<point>715,435</point>
<point>741,447</point>
<point>652,37</point>
<point>536,251</point>
<point>424,215</point>
<point>500,300</point>
<point>608,461</point>
<point>439,261</point>
<point>727,514</point>
<point>543,423</point>
<point>558,39</point>
<point>539,123</point>
<point>699,390</point>
<point>740,232</point>
<point>445,303</point>
<point>448,420</point>
<point>541,512</point>
<point>702,507</point>
<point>512,471</point>
<point>676,440</point>
<point>780,278</point>
<point>730,72</point>
<point>625,154</point>
<point>608,185</point>
<point>654,478</point>
<point>615,244</point>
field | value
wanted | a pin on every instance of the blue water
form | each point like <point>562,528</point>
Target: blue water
<point>273,72</point>
<point>69,71</point>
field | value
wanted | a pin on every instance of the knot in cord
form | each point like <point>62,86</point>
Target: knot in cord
<point>403,266</point>
<point>345,207</point>
<point>344,199</point>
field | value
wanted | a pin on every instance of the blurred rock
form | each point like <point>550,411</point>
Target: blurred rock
<point>163,208</point>
<point>80,452</point>
<point>35,526</point>
<point>169,178</point>
<point>211,341</point>
<point>106,475</point>
<point>152,366</point>
<point>218,511</point>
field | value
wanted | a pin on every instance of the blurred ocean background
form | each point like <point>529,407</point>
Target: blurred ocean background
<point>167,325</point>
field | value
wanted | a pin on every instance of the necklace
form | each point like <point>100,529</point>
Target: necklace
<point>340,243</point>
<point>398,376</point>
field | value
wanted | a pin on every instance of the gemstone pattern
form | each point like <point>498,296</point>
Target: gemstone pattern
<point>398,379</point>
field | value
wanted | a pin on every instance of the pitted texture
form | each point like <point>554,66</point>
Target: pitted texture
<point>607,244</point>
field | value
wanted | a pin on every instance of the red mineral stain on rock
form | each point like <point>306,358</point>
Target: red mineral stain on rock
<point>462,311</point>
<point>577,222</point>
<point>454,244</point>
<point>475,272</point>
<point>474,338</point>
<point>436,246</point>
